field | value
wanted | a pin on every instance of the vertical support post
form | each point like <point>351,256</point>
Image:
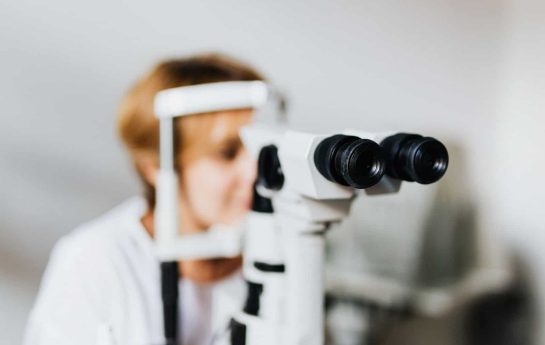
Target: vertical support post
<point>166,228</point>
<point>304,247</point>
<point>166,208</point>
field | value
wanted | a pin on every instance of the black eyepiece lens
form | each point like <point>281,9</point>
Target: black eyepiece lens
<point>411,157</point>
<point>430,161</point>
<point>350,161</point>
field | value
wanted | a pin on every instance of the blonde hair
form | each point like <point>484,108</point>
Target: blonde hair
<point>137,125</point>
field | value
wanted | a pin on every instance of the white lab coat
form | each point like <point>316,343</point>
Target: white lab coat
<point>103,281</point>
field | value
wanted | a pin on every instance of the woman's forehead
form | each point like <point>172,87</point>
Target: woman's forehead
<point>205,133</point>
<point>226,125</point>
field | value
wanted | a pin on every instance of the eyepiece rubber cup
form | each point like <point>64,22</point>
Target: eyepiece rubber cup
<point>412,157</point>
<point>350,161</point>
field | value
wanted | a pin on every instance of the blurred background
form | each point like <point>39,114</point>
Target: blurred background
<point>468,251</point>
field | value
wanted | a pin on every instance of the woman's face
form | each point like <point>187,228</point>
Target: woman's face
<point>217,185</point>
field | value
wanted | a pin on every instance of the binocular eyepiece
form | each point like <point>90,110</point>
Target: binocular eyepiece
<point>350,161</point>
<point>361,163</point>
<point>412,157</point>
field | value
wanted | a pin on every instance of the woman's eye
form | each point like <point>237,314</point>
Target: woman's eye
<point>229,153</point>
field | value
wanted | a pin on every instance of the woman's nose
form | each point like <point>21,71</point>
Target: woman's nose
<point>248,168</point>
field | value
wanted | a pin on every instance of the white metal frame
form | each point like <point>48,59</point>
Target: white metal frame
<point>183,101</point>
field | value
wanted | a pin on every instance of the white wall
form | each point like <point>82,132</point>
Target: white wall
<point>432,66</point>
<point>520,160</point>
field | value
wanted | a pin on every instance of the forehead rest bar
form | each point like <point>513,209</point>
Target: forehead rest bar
<point>203,98</point>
